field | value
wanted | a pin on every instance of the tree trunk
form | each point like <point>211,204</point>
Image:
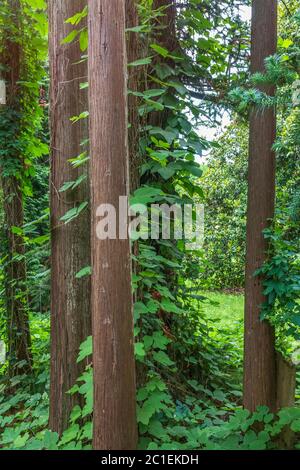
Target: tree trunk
<point>260,356</point>
<point>113,358</point>
<point>134,80</point>
<point>19,341</point>
<point>286,385</point>
<point>70,297</point>
<point>167,24</point>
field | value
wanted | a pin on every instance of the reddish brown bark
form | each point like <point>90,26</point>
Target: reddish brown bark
<point>163,33</point>
<point>134,80</point>
<point>113,358</point>
<point>19,341</point>
<point>166,23</point>
<point>260,357</point>
<point>70,297</point>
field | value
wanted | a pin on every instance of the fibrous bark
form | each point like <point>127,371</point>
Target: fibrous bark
<point>113,359</point>
<point>70,243</point>
<point>260,356</point>
<point>19,341</point>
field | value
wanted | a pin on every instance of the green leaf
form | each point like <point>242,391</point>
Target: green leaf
<point>154,92</point>
<point>87,271</point>
<point>50,440</point>
<point>70,434</point>
<point>86,349</point>
<point>83,115</point>
<point>167,172</point>
<point>286,43</point>
<point>170,307</point>
<point>160,341</point>
<point>139,350</point>
<point>139,62</point>
<point>137,29</point>
<point>163,358</point>
<point>83,40</point>
<point>295,426</point>
<point>145,195</point>
<point>20,441</point>
<point>87,431</point>
<point>160,50</point>
<point>76,413</point>
<point>75,20</point>
<point>73,213</point>
<point>71,36</point>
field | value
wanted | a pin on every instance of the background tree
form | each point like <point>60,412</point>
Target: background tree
<point>70,237</point>
<point>12,174</point>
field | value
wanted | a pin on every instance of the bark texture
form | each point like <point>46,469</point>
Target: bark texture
<point>70,297</point>
<point>134,81</point>
<point>286,385</point>
<point>260,356</point>
<point>113,356</point>
<point>166,23</point>
<point>19,341</point>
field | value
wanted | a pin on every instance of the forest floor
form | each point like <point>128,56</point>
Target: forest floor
<point>210,416</point>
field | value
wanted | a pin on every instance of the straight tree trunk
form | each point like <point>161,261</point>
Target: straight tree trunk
<point>166,24</point>
<point>70,297</point>
<point>134,82</point>
<point>260,356</point>
<point>19,341</point>
<point>113,356</point>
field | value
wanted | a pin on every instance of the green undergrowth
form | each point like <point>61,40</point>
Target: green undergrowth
<point>193,415</point>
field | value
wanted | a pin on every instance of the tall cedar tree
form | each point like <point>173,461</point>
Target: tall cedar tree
<point>260,356</point>
<point>134,83</point>
<point>113,357</point>
<point>70,297</point>
<point>15,280</point>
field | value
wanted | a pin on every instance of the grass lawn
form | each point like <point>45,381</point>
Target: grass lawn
<point>227,309</point>
<point>226,313</point>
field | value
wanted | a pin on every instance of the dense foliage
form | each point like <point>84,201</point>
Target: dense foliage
<point>189,368</point>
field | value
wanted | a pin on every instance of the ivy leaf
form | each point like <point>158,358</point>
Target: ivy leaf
<point>71,36</point>
<point>75,414</point>
<point>50,440</point>
<point>166,172</point>
<point>70,434</point>
<point>139,62</point>
<point>160,341</point>
<point>163,358</point>
<point>139,350</point>
<point>75,20</point>
<point>86,349</point>
<point>21,441</point>
<point>137,29</point>
<point>160,50</point>
<point>153,92</point>
<point>87,271</point>
<point>145,195</point>
<point>87,431</point>
<point>295,426</point>
<point>83,40</point>
<point>170,307</point>
<point>73,213</point>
